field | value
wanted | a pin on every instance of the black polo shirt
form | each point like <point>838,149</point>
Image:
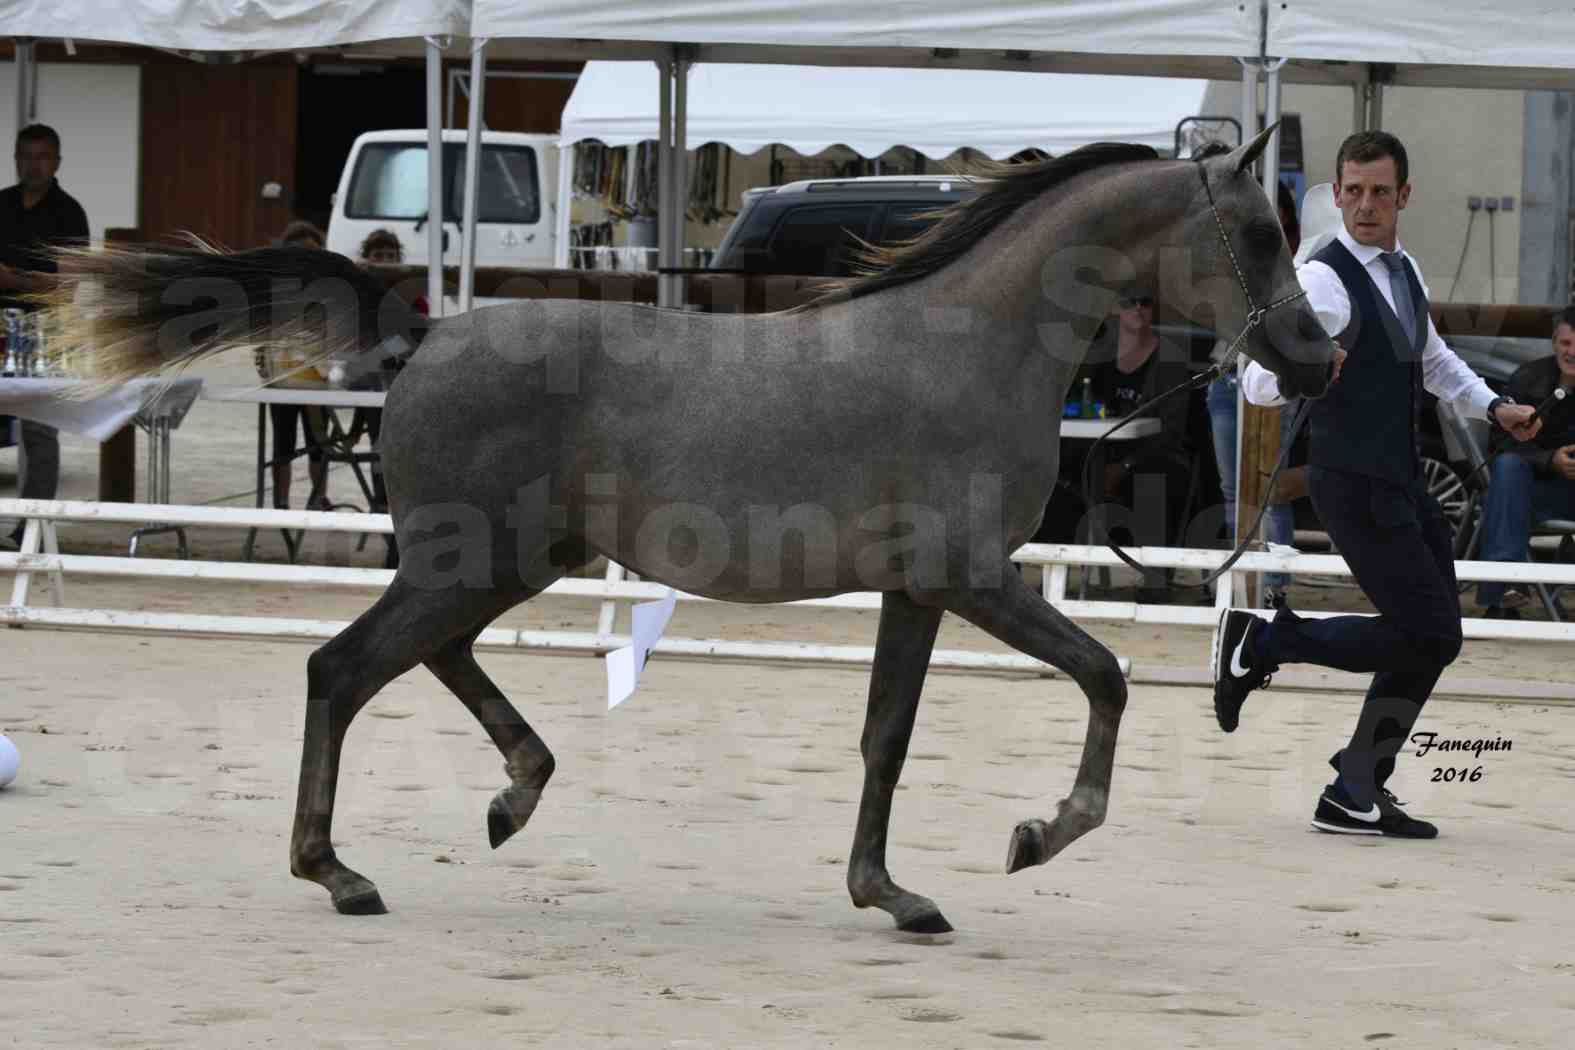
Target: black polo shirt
<point>55,220</point>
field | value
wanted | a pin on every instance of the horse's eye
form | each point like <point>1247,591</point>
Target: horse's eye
<point>1262,237</point>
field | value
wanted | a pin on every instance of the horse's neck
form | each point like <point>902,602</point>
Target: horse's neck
<point>1041,284</point>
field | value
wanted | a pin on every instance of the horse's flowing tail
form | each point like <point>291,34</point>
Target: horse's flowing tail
<point>124,312</point>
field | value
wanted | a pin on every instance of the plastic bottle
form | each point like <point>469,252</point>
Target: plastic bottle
<point>1087,409</point>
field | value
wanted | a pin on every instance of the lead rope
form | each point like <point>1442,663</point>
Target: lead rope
<point>1255,317</point>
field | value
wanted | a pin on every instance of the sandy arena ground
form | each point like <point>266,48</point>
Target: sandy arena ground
<point>682,883</point>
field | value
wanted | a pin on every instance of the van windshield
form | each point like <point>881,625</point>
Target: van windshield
<point>390,182</point>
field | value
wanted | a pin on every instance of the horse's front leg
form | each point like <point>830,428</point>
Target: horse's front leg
<point>902,656</point>
<point>1018,616</point>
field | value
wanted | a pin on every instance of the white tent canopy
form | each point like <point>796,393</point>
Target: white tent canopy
<point>1523,33</point>
<point>749,107</point>
<point>228,25</point>
<point>1131,27</point>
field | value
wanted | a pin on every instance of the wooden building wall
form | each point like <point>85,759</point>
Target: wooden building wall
<point>212,136</point>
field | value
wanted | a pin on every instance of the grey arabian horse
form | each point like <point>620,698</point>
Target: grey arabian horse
<point>900,434</point>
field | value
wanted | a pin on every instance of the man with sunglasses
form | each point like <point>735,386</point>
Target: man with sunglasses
<point>1364,477</point>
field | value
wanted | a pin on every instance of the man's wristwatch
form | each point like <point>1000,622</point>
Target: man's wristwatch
<point>1492,409</point>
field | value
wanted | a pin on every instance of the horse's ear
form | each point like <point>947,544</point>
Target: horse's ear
<point>1243,157</point>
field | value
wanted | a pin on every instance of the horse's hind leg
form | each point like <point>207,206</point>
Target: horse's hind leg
<point>1022,619</point>
<point>526,759</point>
<point>405,626</point>
<point>902,655</point>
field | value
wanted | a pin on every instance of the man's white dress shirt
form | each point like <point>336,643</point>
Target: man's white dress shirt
<point>1444,375</point>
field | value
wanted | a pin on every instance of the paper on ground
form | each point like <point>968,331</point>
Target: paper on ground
<point>624,665</point>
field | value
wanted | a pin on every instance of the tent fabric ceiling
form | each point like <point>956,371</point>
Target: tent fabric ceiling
<point>1525,34</point>
<point>1130,27</point>
<point>1507,33</point>
<point>936,112</point>
<point>234,25</point>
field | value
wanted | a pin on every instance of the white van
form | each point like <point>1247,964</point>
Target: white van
<point>384,186</point>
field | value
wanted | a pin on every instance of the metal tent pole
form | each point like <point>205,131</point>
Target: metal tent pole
<point>560,249</point>
<point>680,194</point>
<point>1271,117</point>
<point>434,177</point>
<point>664,183</point>
<point>26,82</point>
<point>1250,68</point>
<point>478,89</point>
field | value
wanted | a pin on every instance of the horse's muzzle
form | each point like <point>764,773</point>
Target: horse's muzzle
<point>1307,380</point>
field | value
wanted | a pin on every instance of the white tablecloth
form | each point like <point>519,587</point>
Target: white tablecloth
<point>1090,429</point>
<point>272,395</point>
<point>99,418</point>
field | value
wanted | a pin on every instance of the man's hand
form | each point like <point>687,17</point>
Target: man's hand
<point>1518,421</point>
<point>1336,362</point>
<point>1564,462</point>
<point>1339,362</point>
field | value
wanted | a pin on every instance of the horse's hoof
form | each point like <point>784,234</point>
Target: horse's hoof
<point>510,810</point>
<point>1028,847</point>
<point>500,826</point>
<point>930,922</point>
<point>366,902</point>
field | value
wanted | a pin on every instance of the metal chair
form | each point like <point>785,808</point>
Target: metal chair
<point>1466,442</point>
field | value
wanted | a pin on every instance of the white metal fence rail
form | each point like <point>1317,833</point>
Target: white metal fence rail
<point>39,556</point>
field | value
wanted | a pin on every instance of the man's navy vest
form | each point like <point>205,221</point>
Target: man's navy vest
<point>1367,424</point>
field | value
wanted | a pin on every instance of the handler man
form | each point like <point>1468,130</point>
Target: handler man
<point>1364,478</point>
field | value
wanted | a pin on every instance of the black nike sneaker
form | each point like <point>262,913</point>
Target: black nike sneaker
<point>1237,669</point>
<point>1339,815</point>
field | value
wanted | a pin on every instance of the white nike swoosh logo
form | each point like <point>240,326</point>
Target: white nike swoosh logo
<point>1237,670</point>
<point>1371,816</point>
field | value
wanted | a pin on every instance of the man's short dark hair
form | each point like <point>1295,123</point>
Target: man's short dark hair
<point>1365,147</point>
<point>38,133</point>
<point>1565,316</point>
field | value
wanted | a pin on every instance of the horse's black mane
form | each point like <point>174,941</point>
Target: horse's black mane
<point>1004,188</point>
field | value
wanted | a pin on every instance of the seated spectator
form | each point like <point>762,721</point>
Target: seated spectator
<point>1535,480</point>
<point>36,214</point>
<point>382,246</point>
<point>1130,365</point>
<point>301,234</point>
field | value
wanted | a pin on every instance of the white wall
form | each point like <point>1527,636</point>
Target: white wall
<point>97,111</point>
<point>1460,142</point>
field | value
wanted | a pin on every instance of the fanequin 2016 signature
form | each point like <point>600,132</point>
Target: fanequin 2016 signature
<point>1426,742</point>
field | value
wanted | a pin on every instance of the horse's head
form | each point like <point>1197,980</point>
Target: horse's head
<point>1252,283</point>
